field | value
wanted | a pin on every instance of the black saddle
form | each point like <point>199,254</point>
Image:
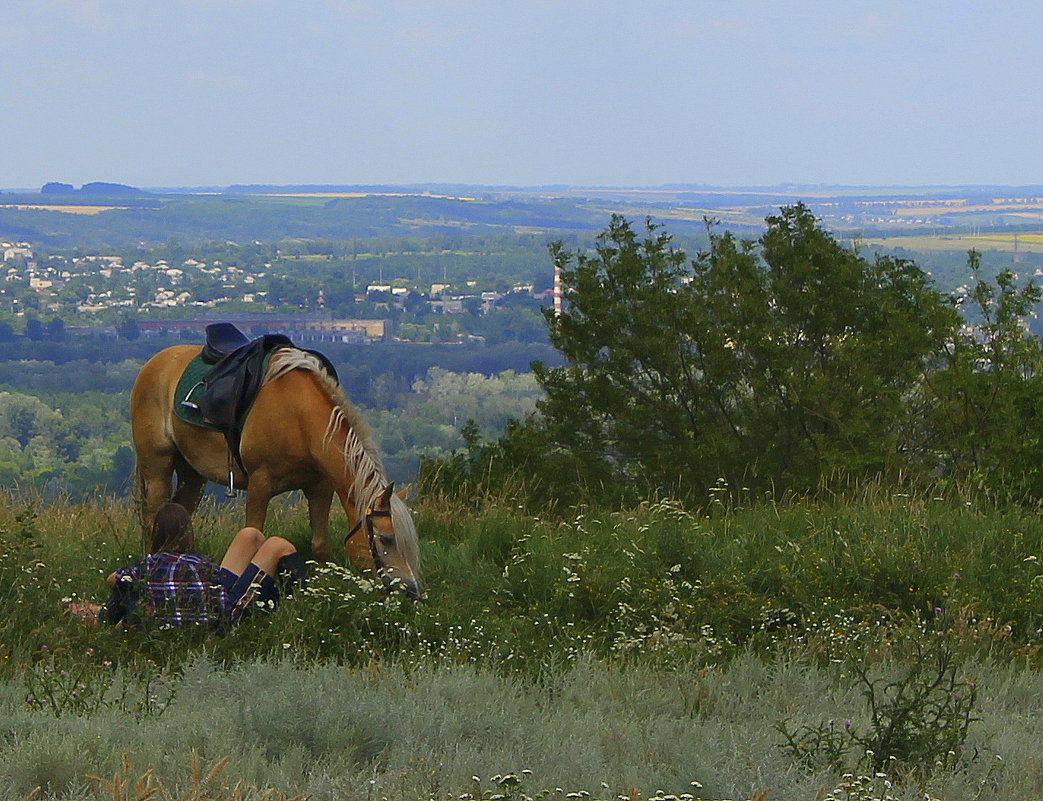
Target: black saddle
<point>222,339</point>
<point>231,385</point>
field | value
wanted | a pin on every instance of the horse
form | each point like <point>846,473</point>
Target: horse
<point>301,433</point>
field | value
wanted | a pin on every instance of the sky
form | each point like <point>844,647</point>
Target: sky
<point>165,93</point>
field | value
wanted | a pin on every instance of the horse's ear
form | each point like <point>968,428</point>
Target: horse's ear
<point>384,501</point>
<point>404,492</point>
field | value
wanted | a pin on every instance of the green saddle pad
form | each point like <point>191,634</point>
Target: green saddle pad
<point>190,388</point>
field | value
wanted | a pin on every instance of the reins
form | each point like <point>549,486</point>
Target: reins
<point>367,519</point>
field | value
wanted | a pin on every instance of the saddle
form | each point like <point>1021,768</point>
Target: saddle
<point>221,339</point>
<point>219,386</point>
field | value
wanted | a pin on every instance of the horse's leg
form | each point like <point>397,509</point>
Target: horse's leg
<point>190,485</point>
<point>154,475</point>
<point>320,497</point>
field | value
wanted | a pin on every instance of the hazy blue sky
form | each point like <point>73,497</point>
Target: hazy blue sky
<point>194,92</point>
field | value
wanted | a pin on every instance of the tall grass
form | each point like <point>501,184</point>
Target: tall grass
<point>643,648</point>
<point>510,588</point>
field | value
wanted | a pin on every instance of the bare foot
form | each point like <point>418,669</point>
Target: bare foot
<point>85,611</point>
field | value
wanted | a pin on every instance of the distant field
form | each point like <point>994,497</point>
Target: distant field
<point>1022,240</point>
<point>65,209</point>
<point>364,194</point>
<point>732,215</point>
<point>1030,209</point>
<point>1026,243</point>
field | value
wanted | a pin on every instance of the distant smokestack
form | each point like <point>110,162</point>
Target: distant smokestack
<point>557,290</point>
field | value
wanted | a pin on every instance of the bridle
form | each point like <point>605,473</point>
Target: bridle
<point>371,534</point>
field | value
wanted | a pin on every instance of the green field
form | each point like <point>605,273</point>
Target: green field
<point>1006,243</point>
<point>600,654</point>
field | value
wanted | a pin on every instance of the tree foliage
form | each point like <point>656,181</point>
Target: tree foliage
<point>764,366</point>
<point>986,400</point>
<point>788,364</point>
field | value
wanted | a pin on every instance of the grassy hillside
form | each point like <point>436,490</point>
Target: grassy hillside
<point>745,648</point>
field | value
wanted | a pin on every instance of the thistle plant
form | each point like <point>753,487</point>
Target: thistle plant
<point>88,683</point>
<point>918,720</point>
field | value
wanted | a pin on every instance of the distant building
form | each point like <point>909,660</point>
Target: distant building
<point>300,328</point>
<point>12,251</point>
<point>448,306</point>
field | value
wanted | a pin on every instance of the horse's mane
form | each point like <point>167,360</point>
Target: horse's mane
<point>360,452</point>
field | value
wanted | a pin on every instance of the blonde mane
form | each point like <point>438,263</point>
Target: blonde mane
<point>361,457</point>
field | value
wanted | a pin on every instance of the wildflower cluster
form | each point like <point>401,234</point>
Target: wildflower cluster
<point>662,615</point>
<point>862,788</point>
<point>824,631</point>
<point>339,607</point>
<point>509,787</point>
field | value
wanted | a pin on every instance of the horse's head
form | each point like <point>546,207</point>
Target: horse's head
<point>385,541</point>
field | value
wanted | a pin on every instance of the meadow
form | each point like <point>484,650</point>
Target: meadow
<point>881,645</point>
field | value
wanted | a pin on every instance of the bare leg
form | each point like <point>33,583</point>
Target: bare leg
<point>250,546</point>
<point>268,556</point>
<point>85,611</point>
<point>242,550</point>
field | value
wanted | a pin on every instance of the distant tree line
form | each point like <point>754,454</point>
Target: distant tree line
<point>241,218</point>
<point>64,418</point>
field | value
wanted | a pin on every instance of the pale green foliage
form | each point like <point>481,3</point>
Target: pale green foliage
<point>41,441</point>
<point>430,421</point>
<point>490,401</point>
<point>428,732</point>
<point>24,417</point>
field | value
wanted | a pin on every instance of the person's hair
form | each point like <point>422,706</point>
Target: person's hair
<point>172,530</point>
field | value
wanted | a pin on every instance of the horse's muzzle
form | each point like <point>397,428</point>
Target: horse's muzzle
<point>410,587</point>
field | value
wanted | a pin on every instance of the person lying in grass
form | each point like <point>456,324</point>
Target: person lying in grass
<point>172,586</point>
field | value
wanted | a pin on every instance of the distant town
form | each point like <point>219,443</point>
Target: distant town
<point>425,264</point>
<point>107,294</point>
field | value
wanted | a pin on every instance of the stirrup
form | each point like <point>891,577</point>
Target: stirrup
<point>191,404</point>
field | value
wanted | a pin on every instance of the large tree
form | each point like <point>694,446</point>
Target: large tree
<point>986,401</point>
<point>764,364</point>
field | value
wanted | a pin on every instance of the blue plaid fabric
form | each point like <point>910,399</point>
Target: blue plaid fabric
<point>172,589</point>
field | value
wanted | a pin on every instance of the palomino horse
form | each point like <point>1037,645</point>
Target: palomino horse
<point>301,433</point>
